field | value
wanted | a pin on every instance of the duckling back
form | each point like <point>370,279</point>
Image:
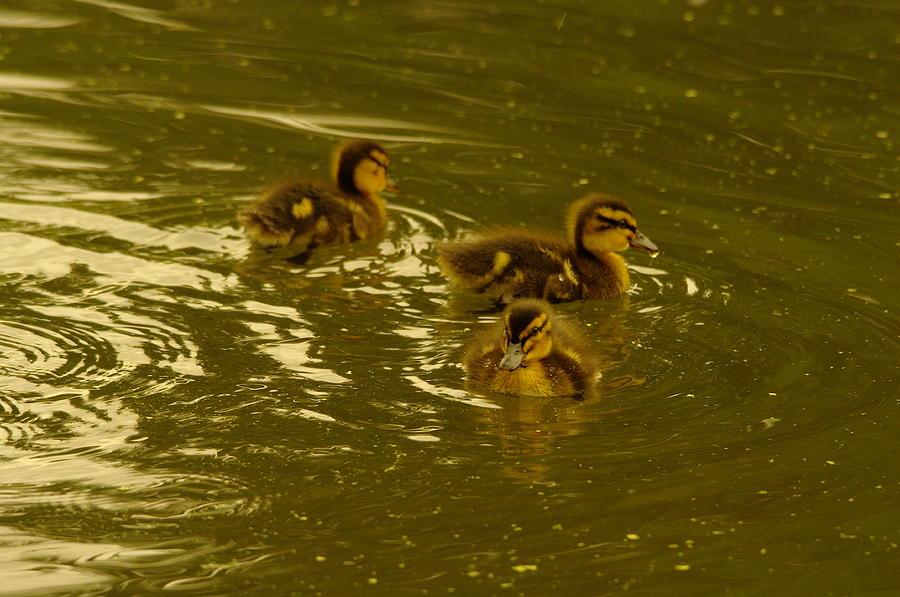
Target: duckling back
<point>511,264</point>
<point>310,213</point>
<point>518,263</point>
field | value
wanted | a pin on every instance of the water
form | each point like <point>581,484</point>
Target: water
<point>178,415</point>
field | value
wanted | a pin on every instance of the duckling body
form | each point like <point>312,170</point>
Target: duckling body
<point>532,353</point>
<point>307,213</point>
<point>512,263</point>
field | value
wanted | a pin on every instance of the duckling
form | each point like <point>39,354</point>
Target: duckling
<point>533,353</point>
<point>512,263</point>
<point>306,213</point>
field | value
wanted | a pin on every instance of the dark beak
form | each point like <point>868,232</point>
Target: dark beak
<point>644,244</point>
<point>512,360</point>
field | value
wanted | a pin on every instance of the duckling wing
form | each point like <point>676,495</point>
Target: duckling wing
<point>297,212</point>
<point>572,372</point>
<point>511,265</point>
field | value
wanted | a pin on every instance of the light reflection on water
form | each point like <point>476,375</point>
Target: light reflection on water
<point>180,413</point>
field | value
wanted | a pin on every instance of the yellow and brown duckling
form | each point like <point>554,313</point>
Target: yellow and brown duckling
<point>513,263</point>
<point>306,213</point>
<point>533,353</point>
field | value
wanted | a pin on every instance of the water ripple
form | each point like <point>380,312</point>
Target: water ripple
<point>43,349</point>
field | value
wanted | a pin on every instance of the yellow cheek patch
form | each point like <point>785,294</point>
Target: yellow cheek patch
<point>322,225</point>
<point>304,209</point>
<point>537,348</point>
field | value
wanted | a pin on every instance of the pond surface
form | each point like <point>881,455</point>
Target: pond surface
<point>180,415</point>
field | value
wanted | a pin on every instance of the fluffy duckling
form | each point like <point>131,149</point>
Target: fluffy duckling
<point>307,213</point>
<point>534,354</point>
<point>512,263</point>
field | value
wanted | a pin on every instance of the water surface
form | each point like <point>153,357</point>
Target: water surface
<point>179,415</point>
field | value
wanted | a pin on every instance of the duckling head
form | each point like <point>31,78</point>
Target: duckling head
<point>600,224</point>
<point>526,334</point>
<point>360,168</point>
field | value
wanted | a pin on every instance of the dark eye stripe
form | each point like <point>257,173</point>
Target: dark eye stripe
<point>379,162</point>
<point>616,223</point>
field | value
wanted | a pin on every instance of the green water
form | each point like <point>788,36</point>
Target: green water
<point>177,416</point>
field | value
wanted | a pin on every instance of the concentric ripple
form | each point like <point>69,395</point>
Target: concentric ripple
<point>52,349</point>
<point>79,347</point>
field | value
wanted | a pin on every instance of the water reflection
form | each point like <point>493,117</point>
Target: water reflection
<point>529,427</point>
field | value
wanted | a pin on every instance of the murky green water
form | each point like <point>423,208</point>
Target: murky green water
<point>178,416</point>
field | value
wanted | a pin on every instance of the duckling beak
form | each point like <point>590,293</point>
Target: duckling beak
<point>644,244</point>
<point>390,186</point>
<point>513,358</point>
